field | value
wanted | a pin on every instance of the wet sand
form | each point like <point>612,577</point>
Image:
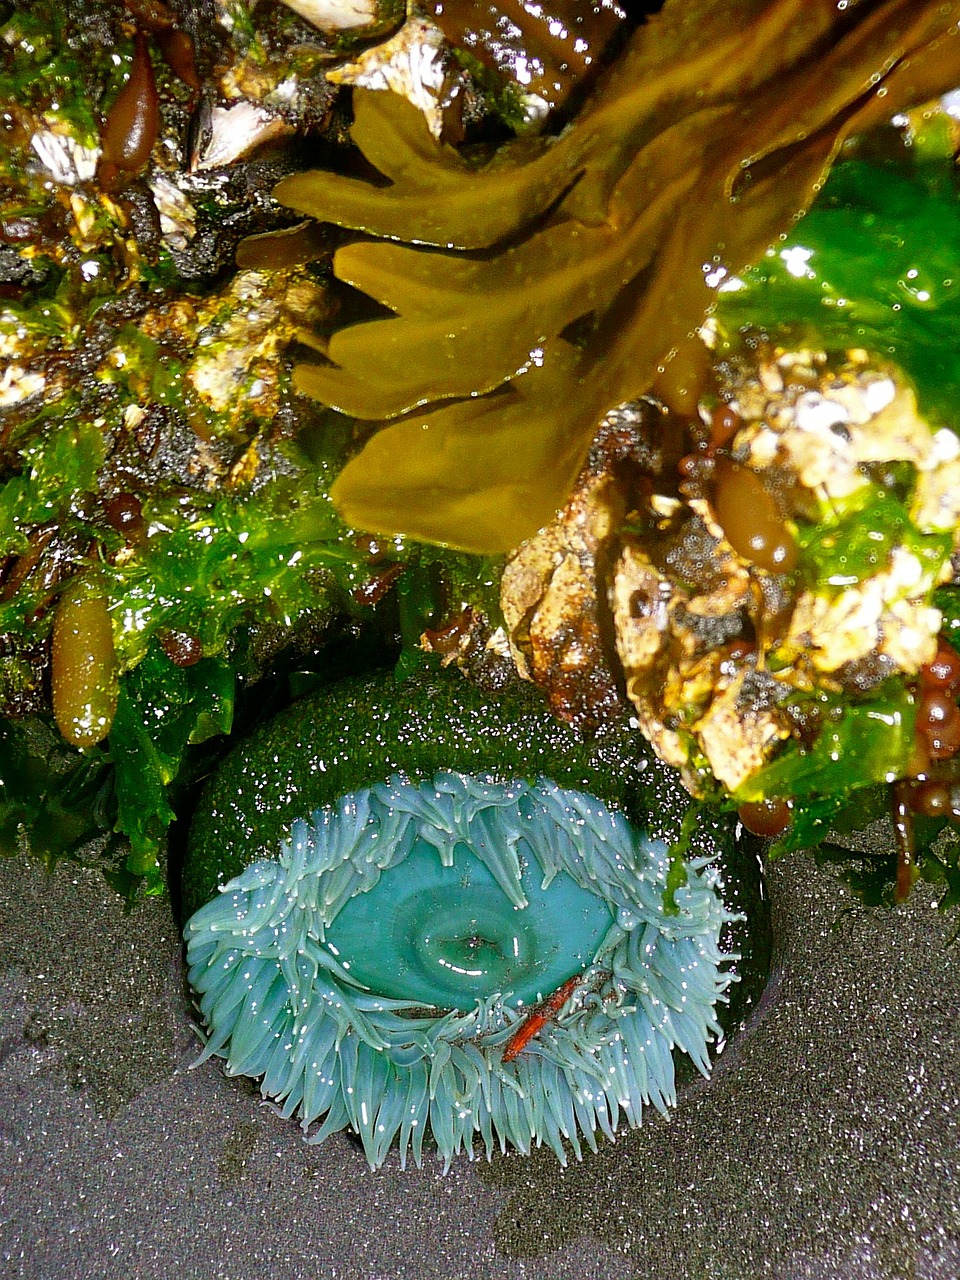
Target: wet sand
<point>827,1145</point>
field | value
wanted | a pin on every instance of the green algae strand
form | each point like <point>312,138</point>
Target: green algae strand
<point>84,666</point>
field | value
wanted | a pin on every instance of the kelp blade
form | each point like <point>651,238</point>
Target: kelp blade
<point>447,340</point>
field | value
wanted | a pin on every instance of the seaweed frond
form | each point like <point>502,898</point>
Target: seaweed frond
<point>703,143</point>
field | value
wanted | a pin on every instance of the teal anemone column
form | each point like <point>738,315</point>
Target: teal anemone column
<point>434,918</point>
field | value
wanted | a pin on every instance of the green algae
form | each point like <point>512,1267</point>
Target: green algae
<point>872,264</point>
<point>855,543</point>
<point>41,71</point>
<point>869,740</point>
<point>163,710</point>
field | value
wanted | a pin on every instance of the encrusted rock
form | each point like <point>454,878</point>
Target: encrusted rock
<point>549,596</point>
<point>718,650</point>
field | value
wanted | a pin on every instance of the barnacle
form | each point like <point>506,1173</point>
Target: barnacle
<point>449,865</point>
<point>711,131</point>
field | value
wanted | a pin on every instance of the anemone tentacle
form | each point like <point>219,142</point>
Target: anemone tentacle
<point>281,1002</point>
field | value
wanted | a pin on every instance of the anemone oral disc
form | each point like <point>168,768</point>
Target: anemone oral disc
<point>440,919</point>
<point>449,935</point>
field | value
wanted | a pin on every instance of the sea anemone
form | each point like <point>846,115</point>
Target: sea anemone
<point>465,952</point>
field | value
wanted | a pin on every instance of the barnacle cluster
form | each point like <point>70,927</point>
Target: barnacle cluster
<point>773,600</point>
<point>719,666</point>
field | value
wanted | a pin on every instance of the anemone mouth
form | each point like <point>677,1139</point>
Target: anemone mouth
<point>397,968</point>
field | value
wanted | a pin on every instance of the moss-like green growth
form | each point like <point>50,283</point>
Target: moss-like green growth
<point>39,69</point>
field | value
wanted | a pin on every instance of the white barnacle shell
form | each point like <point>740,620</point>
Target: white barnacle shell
<point>409,64</point>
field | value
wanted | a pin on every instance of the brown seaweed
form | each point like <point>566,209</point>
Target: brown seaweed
<point>702,144</point>
<point>556,46</point>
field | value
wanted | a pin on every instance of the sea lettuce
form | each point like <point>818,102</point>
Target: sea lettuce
<point>874,263</point>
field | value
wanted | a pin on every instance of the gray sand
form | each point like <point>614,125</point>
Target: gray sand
<point>826,1145</point>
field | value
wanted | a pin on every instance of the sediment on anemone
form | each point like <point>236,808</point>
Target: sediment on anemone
<point>456,953</point>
